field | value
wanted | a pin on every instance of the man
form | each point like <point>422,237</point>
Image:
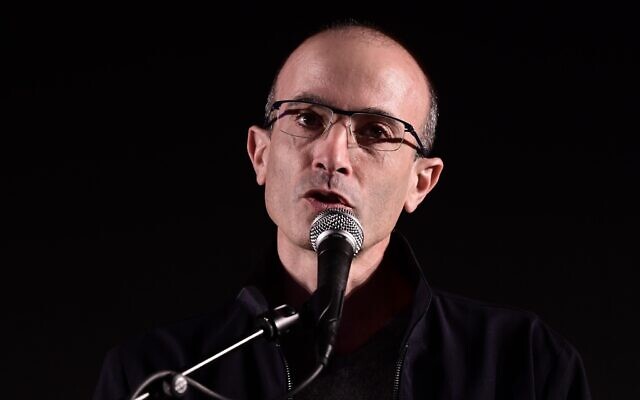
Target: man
<point>350,122</point>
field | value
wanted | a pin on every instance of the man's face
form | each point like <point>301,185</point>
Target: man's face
<point>303,177</point>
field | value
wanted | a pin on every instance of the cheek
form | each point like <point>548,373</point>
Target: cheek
<point>384,201</point>
<point>274,190</point>
<point>389,186</point>
<point>282,164</point>
<point>280,176</point>
<point>276,178</point>
<point>391,195</point>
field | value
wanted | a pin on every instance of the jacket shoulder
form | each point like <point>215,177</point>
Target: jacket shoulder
<point>502,346</point>
<point>177,345</point>
<point>498,321</point>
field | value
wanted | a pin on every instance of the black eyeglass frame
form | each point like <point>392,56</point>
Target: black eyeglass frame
<point>420,149</point>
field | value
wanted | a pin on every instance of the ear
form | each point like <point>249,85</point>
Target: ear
<point>258,141</point>
<point>426,172</point>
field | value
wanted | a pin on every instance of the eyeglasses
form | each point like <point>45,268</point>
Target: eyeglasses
<point>306,119</point>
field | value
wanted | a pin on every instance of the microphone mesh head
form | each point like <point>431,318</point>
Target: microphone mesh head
<point>340,221</point>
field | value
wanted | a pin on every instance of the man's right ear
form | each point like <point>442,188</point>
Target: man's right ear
<point>258,141</point>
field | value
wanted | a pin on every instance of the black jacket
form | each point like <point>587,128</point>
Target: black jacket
<point>453,348</point>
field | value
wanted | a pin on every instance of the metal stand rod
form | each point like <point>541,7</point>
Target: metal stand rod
<point>271,324</point>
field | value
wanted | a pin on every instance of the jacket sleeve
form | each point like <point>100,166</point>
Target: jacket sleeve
<point>112,382</point>
<point>570,378</point>
<point>560,372</point>
<point>578,386</point>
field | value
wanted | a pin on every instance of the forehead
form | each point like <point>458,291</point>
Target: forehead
<point>355,72</point>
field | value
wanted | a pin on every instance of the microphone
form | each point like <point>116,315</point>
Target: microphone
<point>336,235</point>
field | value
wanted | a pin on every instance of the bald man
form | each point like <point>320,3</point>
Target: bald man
<point>350,122</point>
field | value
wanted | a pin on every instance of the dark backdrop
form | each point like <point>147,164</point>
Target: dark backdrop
<point>130,198</point>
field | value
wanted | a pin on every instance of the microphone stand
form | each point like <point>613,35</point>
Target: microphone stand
<point>322,311</point>
<point>271,324</point>
<point>336,236</point>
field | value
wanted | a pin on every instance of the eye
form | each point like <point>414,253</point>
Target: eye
<point>309,119</point>
<point>372,132</point>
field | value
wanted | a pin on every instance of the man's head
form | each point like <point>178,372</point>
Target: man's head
<point>426,131</point>
<point>349,68</point>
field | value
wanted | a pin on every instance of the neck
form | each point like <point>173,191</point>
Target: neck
<point>302,264</point>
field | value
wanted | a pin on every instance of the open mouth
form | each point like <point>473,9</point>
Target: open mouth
<point>328,198</point>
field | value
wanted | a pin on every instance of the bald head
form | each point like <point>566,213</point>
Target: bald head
<point>359,62</point>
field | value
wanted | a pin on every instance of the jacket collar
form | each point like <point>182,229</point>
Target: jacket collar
<point>267,280</point>
<point>423,294</point>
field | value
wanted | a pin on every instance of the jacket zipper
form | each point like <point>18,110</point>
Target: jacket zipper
<point>287,371</point>
<point>396,379</point>
<point>289,380</point>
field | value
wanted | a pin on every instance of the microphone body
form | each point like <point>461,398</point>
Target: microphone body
<point>336,235</point>
<point>334,263</point>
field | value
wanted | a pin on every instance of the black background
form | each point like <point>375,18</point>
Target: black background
<point>130,198</point>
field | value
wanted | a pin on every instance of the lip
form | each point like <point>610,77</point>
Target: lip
<point>316,198</point>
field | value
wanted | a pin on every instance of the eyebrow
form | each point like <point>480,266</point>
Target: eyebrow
<point>306,96</point>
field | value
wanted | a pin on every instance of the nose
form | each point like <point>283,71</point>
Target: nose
<point>331,150</point>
